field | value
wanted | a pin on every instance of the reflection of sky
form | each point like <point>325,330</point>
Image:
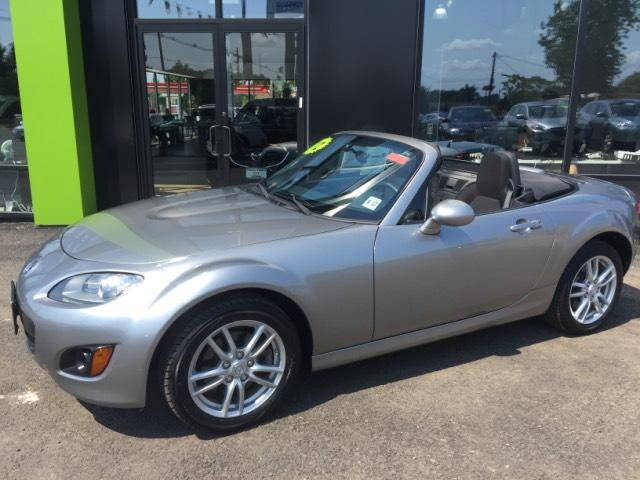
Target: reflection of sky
<point>6,36</point>
<point>461,45</point>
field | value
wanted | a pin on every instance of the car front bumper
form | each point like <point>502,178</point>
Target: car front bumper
<point>133,324</point>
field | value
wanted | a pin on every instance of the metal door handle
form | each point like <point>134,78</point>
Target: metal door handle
<point>228,154</point>
<point>523,225</point>
<point>212,140</point>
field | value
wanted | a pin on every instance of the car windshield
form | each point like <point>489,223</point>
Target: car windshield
<point>625,109</point>
<point>472,115</point>
<point>548,111</point>
<point>347,176</point>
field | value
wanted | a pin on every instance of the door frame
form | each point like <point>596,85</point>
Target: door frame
<point>217,28</point>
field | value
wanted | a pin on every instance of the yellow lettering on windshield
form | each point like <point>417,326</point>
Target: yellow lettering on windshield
<point>324,143</point>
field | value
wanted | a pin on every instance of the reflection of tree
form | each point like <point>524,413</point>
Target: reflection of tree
<point>608,25</point>
<point>8,73</point>
<point>429,99</point>
<point>518,88</point>
<point>629,86</point>
<point>180,68</point>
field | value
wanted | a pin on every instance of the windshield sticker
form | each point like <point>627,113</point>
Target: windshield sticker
<point>324,143</point>
<point>371,203</point>
<point>397,158</point>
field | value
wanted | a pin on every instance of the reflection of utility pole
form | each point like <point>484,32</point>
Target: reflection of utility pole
<point>489,88</point>
<point>161,53</point>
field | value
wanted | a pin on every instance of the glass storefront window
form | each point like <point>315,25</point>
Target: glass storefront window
<point>497,75</point>
<point>263,8</point>
<point>181,108</point>
<point>608,120</point>
<point>15,195</point>
<point>186,9</point>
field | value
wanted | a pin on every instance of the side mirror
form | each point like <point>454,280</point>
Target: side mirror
<point>520,116</point>
<point>602,114</point>
<point>448,212</point>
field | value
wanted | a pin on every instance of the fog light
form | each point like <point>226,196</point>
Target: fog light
<point>86,361</point>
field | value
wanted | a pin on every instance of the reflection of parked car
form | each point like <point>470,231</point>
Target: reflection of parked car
<point>216,300</point>
<point>541,125</point>
<point>429,124</point>
<point>466,123</point>
<point>463,150</point>
<point>610,124</point>
<point>264,121</point>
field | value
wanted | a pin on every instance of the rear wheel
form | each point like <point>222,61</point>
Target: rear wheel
<point>230,363</point>
<point>588,290</point>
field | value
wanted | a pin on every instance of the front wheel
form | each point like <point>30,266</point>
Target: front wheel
<point>230,363</point>
<point>588,290</point>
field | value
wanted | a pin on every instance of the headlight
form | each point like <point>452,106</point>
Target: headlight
<point>536,127</point>
<point>624,124</point>
<point>94,288</point>
<point>454,130</point>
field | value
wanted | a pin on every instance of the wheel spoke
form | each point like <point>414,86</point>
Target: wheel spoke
<point>585,313</point>
<point>218,351</point>
<point>227,398</point>
<point>209,386</point>
<point>590,273</point>
<point>578,294</point>
<point>261,381</point>
<point>604,301</point>
<point>240,387</point>
<point>596,303</point>
<point>583,305</point>
<point>197,376</point>
<point>607,277</point>
<point>254,339</point>
<point>230,341</point>
<point>264,346</point>
<point>267,368</point>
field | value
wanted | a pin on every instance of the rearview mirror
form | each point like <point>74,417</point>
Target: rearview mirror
<point>453,213</point>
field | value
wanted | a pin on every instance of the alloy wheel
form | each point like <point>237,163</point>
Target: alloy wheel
<point>236,369</point>
<point>593,290</point>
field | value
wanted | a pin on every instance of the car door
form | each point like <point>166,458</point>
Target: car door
<point>427,280</point>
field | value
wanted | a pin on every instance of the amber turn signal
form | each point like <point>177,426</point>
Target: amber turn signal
<point>99,360</point>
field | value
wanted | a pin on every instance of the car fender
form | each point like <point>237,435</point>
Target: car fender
<point>572,236</point>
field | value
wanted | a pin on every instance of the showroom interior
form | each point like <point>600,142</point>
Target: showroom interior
<point>138,98</point>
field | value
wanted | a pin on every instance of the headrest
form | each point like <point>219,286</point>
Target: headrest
<point>499,172</point>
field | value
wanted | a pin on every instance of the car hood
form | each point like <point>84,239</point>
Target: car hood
<point>551,122</point>
<point>470,125</point>
<point>169,228</point>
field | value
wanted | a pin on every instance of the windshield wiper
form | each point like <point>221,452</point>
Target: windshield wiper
<point>291,199</point>
<point>280,199</point>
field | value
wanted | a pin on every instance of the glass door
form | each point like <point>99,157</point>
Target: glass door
<point>215,97</point>
<point>263,94</point>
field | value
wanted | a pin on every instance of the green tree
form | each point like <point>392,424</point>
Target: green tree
<point>608,25</point>
<point>8,73</point>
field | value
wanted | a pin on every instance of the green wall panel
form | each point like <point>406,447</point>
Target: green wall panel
<point>54,108</point>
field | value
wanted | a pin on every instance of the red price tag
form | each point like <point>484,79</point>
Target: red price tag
<point>397,158</point>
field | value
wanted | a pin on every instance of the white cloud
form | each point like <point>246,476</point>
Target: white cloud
<point>459,44</point>
<point>464,64</point>
<point>633,56</point>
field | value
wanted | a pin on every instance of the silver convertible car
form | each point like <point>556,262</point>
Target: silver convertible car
<point>365,244</point>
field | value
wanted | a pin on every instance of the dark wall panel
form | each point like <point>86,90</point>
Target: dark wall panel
<point>362,62</point>
<point>110,97</point>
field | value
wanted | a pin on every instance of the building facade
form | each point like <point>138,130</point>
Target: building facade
<point>120,100</point>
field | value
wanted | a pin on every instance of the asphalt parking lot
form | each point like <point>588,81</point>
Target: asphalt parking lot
<point>516,401</point>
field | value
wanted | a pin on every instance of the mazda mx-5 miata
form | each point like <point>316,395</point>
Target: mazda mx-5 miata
<point>364,244</point>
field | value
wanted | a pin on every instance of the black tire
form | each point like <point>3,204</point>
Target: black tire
<point>559,313</point>
<point>175,358</point>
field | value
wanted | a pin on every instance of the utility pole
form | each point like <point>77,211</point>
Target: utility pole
<point>489,88</point>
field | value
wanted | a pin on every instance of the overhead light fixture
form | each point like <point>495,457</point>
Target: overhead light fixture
<point>440,13</point>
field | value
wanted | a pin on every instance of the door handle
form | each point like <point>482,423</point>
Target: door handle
<point>212,145</point>
<point>523,226</point>
<point>228,154</point>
